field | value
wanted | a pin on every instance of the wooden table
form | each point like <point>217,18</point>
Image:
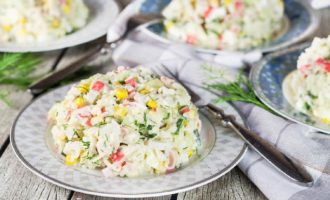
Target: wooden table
<point>16,182</point>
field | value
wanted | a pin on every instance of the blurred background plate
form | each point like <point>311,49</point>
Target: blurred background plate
<point>102,14</point>
<point>300,22</point>
<point>267,77</point>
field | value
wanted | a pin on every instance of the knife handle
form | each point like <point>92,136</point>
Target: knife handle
<point>265,149</point>
<point>54,78</point>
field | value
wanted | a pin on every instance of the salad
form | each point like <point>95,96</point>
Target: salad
<point>224,24</point>
<point>127,123</point>
<point>26,21</point>
<point>307,88</point>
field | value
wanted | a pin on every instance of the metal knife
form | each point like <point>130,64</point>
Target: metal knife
<point>269,152</point>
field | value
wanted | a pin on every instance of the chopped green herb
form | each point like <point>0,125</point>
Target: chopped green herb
<point>312,96</point>
<point>307,106</point>
<point>86,144</point>
<point>179,125</point>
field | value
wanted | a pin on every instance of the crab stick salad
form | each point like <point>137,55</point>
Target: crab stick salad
<point>26,21</point>
<point>224,24</point>
<point>307,88</point>
<point>127,123</point>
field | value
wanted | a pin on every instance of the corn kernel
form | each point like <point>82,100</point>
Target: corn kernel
<point>7,28</point>
<point>56,23</point>
<point>168,24</point>
<point>152,104</point>
<point>62,137</point>
<point>144,91</point>
<point>69,161</point>
<point>23,20</point>
<point>190,152</point>
<point>121,93</point>
<point>83,88</point>
<point>120,112</point>
<point>226,2</point>
<point>66,9</point>
<point>79,102</point>
<point>325,120</point>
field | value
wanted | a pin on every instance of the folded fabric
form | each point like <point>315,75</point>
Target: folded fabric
<point>318,4</point>
<point>297,141</point>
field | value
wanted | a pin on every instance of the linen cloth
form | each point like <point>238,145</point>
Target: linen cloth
<point>305,146</point>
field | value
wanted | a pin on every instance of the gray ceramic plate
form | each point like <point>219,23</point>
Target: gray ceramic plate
<point>102,14</point>
<point>267,78</point>
<point>300,22</point>
<point>222,150</point>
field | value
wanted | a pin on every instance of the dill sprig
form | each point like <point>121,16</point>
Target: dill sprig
<point>239,90</point>
<point>16,68</point>
<point>4,98</point>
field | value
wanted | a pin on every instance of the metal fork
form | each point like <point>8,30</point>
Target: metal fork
<point>270,153</point>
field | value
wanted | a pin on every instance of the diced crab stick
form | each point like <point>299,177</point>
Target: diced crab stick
<point>131,81</point>
<point>172,158</point>
<point>98,86</point>
<point>184,110</point>
<point>191,39</point>
<point>116,156</point>
<point>324,63</point>
<point>208,12</point>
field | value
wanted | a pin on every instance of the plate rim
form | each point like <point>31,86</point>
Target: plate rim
<point>43,48</point>
<point>314,24</point>
<point>253,77</point>
<point>119,195</point>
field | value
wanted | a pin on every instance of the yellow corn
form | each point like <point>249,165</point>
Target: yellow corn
<point>62,137</point>
<point>69,161</point>
<point>83,88</point>
<point>56,23</point>
<point>325,120</point>
<point>226,2</point>
<point>185,123</point>
<point>121,112</point>
<point>66,9</point>
<point>23,20</point>
<point>168,24</point>
<point>65,102</point>
<point>190,152</point>
<point>7,28</point>
<point>152,104</point>
<point>121,94</point>
<point>144,91</point>
<point>79,102</point>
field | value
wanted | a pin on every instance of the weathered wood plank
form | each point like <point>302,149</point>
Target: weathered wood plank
<point>19,183</point>
<point>80,196</point>
<point>233,185</point>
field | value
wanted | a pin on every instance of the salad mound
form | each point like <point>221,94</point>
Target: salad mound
<point>127,123</point>
<point>224,24</point>
<point>26,21</point>
<point>306,88</point>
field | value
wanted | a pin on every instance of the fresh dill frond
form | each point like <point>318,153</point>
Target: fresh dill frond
<point>4,98</point>
<point>16,68</point>
<point>239,90</point>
